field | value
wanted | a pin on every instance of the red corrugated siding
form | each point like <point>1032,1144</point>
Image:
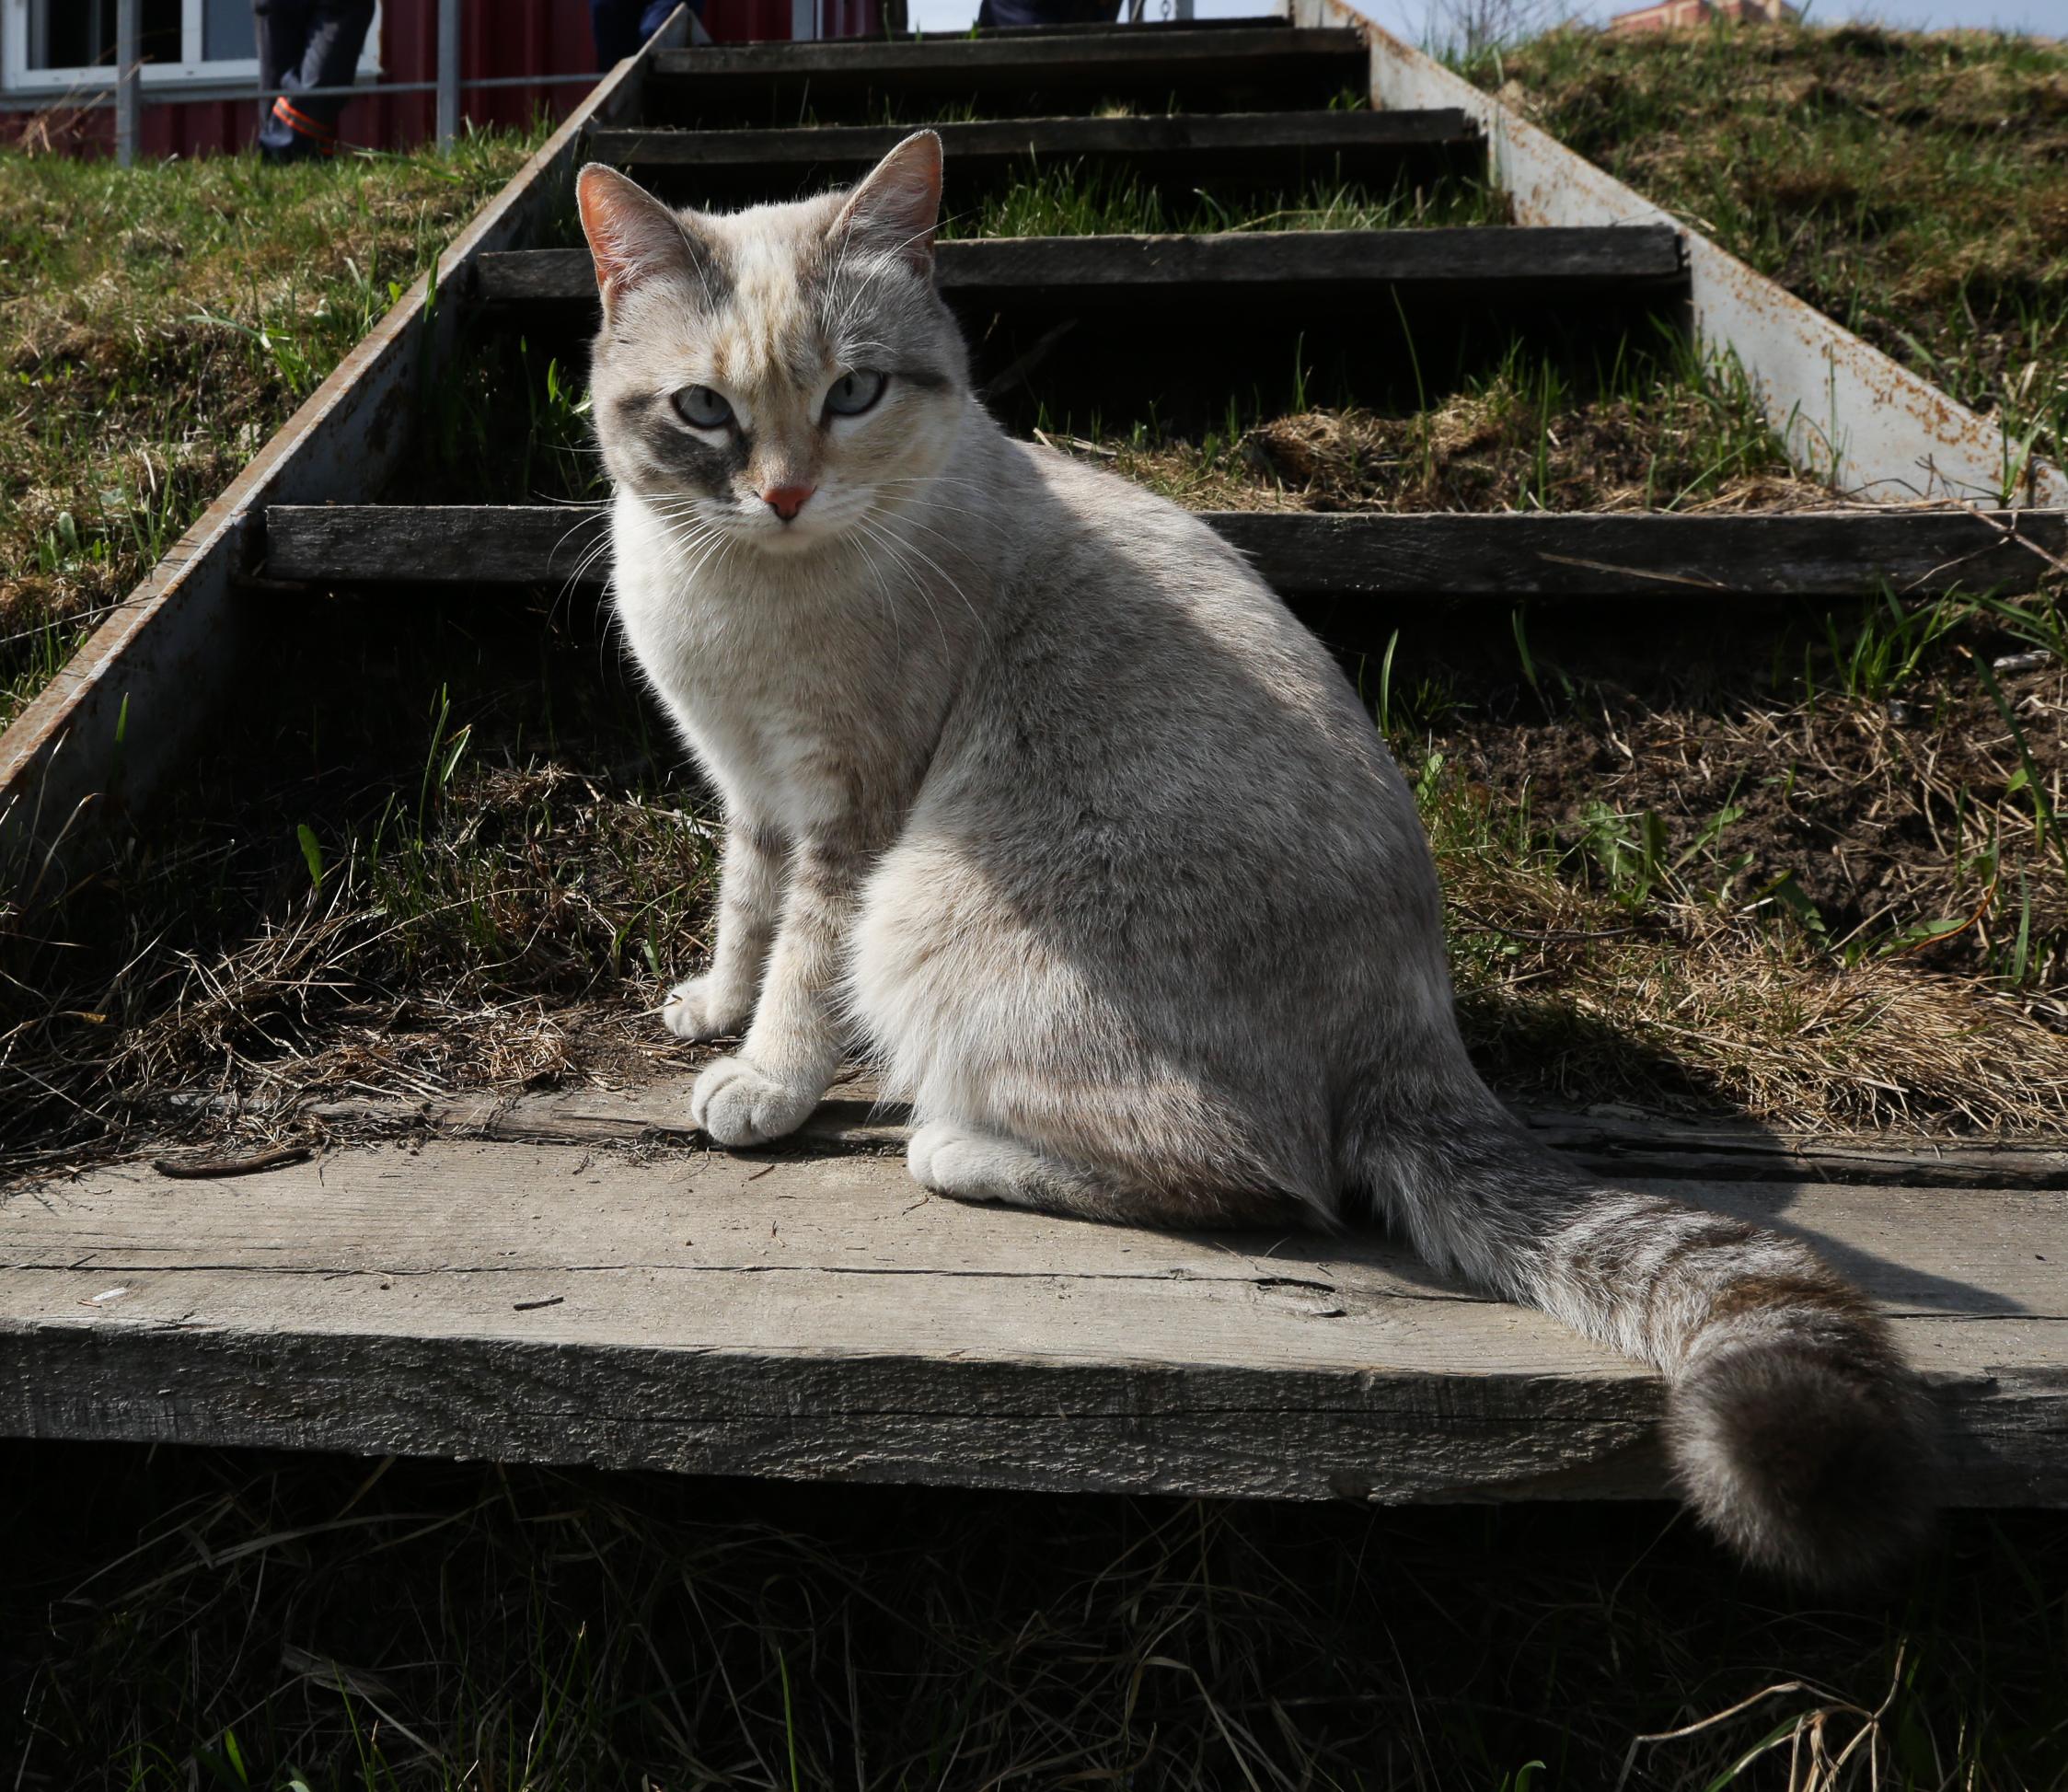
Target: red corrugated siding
<point>499,37</point>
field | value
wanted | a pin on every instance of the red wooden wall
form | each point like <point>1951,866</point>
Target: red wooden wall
<point>497,37</point>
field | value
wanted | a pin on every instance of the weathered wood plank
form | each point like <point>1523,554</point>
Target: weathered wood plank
<point>1223,133</point>
<point>913,61</point>
<point>819,1317</point>
<point>658,1113</point>
<point>1063,71</point>
<point>1298,264</point>
<point>1251,147</point>
<point>1662,555</point>
<point>1623,1148</point>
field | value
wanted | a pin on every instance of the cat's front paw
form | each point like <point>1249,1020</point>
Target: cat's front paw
<point>736,1105</point>
<point>697,1010</point>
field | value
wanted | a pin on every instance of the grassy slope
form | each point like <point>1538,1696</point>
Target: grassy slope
<point>1912,186</point>
<point>160,323</point>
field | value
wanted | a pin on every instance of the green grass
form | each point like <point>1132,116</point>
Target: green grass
<point>1072,201</point>
<point>248,1622</point>
<point>1641,424</point>
<point>1912,186</point>
<point>164,322</point>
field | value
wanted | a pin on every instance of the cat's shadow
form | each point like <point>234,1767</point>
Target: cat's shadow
<point>1666,1111</point>
<point>1620,1151</point>
<point>1897,1286</point>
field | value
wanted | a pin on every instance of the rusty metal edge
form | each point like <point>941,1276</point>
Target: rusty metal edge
<point>127,712</point>
<point>1845,411</point>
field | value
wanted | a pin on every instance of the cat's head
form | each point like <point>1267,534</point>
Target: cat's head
<point>778,374</point>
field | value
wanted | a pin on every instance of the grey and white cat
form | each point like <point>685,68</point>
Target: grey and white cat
<point>1036,793</point>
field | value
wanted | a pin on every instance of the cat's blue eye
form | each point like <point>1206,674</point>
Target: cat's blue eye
<point>702,408</point>
<point>854,393</point>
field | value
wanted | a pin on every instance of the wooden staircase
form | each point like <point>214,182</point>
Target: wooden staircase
<point>582,1278</point>
<point>700,139</point>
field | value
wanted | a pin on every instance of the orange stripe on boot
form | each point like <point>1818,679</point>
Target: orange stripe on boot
<point>303,125</point>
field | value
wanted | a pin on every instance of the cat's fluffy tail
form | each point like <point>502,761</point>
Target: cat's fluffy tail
<point>1795,1428</point>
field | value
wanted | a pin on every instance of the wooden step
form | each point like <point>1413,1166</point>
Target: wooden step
<point>811,1313</point>
<point>1166,31</point>
<point>1814,554</point>
<point>1612,1143</point>
<point>1245,150</point>
<point>1341,266</point>
<point>1251,67</point>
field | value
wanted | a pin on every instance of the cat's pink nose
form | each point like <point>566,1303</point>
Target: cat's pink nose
<point>786,501</point>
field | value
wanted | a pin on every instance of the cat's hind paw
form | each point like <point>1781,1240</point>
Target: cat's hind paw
<point>949,1160</point>
<point>736,1105</point>
<point>693,1011</point>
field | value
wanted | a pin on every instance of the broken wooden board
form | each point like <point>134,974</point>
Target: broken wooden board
<point>1660,555</point>
<point>811,1313</point>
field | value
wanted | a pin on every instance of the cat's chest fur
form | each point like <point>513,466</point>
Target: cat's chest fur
<point>794,711</point>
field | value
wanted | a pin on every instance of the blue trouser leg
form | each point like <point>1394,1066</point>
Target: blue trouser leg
<point>621,25</point>
<point>1048,12</point>
<point>306,43</point>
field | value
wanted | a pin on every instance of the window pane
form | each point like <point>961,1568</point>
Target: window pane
<point>81,33</point>
<point>227,31</point>
<point>64,33</point>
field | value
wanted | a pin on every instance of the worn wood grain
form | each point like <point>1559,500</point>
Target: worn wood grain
<point>813,1315</point>
<point>1250,148</point>
<point>1231,69</point>
<point>1492,260</point>
<point>1631,1147</point>
<point>658,1113</point>
<point>1671,557</point>
<point>911,62</point>
<point>1664,555</point>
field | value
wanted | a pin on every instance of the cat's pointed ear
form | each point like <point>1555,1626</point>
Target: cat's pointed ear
<point>897,208</point>
<point>631,234</point>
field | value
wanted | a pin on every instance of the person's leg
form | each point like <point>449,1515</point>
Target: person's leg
<point>333,33</point>
<point>1048,12</point>
<point>616,24</point>
<point>655,14</point>
<point>282,27</point>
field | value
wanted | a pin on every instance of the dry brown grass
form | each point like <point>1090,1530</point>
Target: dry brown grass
<point>1655,433</point>
<point>1636,918</point>
<point>517,934</point>
<point>1697,1007</point>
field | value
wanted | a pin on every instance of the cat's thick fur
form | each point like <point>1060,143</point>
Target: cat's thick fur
<point>1038,794</point>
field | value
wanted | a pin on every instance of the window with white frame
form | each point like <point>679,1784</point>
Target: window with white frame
<point>54,46</point>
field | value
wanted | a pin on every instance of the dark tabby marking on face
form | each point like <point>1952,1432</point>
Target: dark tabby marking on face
<point>671,451</point>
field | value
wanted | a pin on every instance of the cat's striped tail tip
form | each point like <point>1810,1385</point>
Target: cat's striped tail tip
<point>1814,1463</point>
